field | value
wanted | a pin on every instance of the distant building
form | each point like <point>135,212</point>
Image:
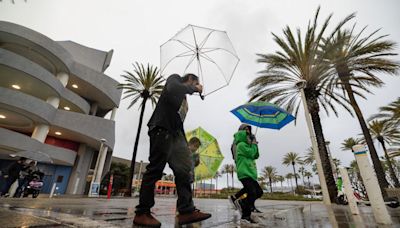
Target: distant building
<point>138,165</point>
<point>54,97</point>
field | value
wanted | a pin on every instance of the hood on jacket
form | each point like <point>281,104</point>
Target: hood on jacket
<point>244,126</point>
<point>240,136</point>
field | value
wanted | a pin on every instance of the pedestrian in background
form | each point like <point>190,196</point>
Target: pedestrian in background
<point>194,144</point>
<point>12,174</point>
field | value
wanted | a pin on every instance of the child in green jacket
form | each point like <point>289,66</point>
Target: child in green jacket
<point>246,155</point>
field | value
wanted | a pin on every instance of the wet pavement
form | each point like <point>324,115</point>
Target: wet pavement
<point>119,212</point>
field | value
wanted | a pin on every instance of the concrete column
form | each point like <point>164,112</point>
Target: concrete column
<point>77,179</point>
<point>53,101</point>
<point>102,159</point>
<point>113,113</point>
<point>348,190</point>
<point>63,77</point>
<point>379,209</point>
<point>40,132</point>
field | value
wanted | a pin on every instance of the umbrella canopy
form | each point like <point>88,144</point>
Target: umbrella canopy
<point>263,114</point>
<point>208,53</point>
<point>209,153</point>
<point>34,155</point>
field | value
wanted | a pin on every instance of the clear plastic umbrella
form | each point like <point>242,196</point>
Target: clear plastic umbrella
<point>208,53</point>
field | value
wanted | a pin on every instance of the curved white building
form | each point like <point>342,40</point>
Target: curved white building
<point>53,98</point>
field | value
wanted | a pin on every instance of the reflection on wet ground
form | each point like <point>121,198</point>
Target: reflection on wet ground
<point>119,212</point>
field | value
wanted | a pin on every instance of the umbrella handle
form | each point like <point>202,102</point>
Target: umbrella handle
<point>201,96</point>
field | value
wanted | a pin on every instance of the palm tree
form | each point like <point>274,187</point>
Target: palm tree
<point>143,83</point>
<point>336,163</point>
<point>356,60</point>
<point>302,170</point>
<point>289,177</point>
<point>348,143</point>
<point>280,179</point>
<point>226,169</point>
<point>391,112</point>
<point>308,174</point>
<point>309,158</point>
<point>298,62</point>
<point>386,132</point>
<point>261,182</point>
<point>232,170</point>
<point>169,177</point>
<point>216,176</point>
<point>270,173</point>
<point>292,158</point>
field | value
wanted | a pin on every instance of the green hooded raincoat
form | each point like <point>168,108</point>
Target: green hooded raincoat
<point>246,154</point>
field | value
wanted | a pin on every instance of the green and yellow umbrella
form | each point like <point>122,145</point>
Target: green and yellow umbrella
<point>209,153</point>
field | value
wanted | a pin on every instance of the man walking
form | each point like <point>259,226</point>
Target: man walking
<point>168,145</point>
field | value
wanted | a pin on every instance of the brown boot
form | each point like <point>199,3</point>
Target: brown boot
<point>191,217</point>
<point>146,220</point>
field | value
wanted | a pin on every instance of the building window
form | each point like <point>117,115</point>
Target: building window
<point>60,179</point>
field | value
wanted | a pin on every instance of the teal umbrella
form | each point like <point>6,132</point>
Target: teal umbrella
<point>263,114</point>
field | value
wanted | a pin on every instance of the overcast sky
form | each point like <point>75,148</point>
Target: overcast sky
<point>136,29</point>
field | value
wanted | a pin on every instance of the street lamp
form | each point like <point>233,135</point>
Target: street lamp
<point>301,84</point>
<point>98,169</point>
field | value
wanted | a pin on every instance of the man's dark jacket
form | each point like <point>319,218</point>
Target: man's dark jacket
<point>166,113</point>
<point>14,169</point>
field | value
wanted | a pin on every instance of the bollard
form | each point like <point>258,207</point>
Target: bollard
<point>52,190</point>
<point>379,209</point>
<point>348,190</point>
<point>109,189</point>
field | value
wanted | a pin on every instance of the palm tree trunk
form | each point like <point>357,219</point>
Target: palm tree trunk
<point>216,185</point>
<point>295,176</point>
<point>391,170</point>
<point>323,152</point>
<point>232,180</point>
<point>344,73</point>
<point>270,183</point>
<point>227,180</point>
<point>210,186</point>
<point>132,168</point>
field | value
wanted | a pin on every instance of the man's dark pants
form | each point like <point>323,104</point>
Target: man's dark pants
<point>9,181</point>
<point>172,149</point>
<point>254,191</point>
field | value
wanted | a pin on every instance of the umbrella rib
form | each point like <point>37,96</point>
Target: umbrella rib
<point>185,44</point>
<point>169,61</point>
<point>200,70</point>
<point>206,39</point>
<point>194,37</point>
<point>184,54</point>
<point>212,61</point>
<point>217,49</point>
<point>190,62</point>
